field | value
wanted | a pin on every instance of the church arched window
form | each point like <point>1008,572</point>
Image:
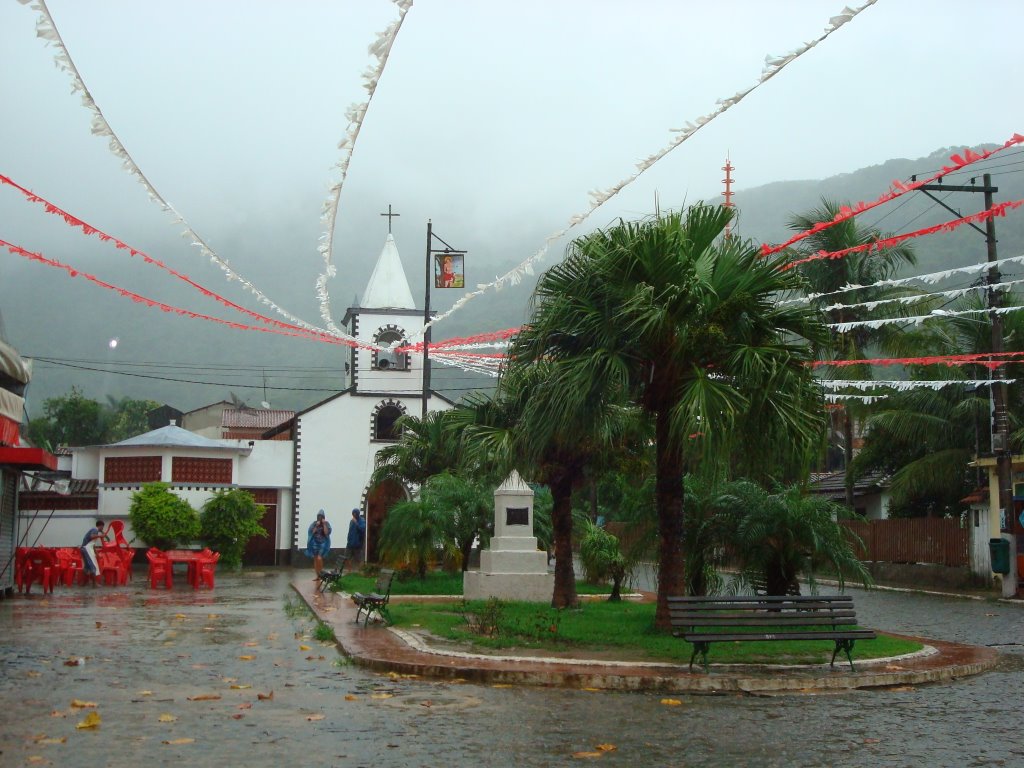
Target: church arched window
<point>384,418</point>
<point>390,336</point>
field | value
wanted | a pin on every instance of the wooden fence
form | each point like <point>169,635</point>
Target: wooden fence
<point>915,540</point>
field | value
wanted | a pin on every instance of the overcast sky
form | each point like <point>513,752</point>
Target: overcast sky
<point>493,119</point>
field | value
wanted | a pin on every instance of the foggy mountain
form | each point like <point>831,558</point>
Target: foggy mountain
<point>188,363</point>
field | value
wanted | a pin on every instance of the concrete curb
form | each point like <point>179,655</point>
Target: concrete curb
<point>403,652</point>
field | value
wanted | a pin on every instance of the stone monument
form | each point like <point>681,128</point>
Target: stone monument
<point>512,568</point>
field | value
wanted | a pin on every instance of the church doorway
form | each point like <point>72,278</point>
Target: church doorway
<point>379,500</point>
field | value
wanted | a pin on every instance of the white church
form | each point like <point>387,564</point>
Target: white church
<point>323,458</point>
<point>337,440</point>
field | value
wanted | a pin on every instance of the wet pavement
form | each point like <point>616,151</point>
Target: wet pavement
<point>234,677</point>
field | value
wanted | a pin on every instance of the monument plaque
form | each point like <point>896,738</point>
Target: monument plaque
<point>517,515</point>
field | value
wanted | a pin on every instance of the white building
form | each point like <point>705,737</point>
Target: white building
<point>337,440</point>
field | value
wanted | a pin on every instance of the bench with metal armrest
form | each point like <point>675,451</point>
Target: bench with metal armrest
<point>376,602</point>
<point>329,576</point>
<point>705,620</point>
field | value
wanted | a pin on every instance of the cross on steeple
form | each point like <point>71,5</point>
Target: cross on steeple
<point>390,216</point>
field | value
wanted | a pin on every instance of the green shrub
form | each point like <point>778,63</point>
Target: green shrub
<point>228,520</point>
<point>602,559</point>
<point>162,519</point>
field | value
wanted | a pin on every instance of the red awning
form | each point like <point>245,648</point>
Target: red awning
<point>28,458</point>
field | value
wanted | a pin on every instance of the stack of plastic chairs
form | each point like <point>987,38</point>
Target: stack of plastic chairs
<point>120,546</point>
<point>159,568</point>
<point>69,565</point>
<point>112,569</point>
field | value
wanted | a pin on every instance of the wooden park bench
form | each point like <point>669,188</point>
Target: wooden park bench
<point>705,620</point>
<point>329,576</point>
<point>375,602</point>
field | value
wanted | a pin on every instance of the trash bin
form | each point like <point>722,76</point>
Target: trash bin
<point>999,549</point>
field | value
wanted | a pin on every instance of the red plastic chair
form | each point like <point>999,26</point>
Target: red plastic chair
<point>206,566</point>
<point>20,559</point>
<point>159,568</point>
<point>40,565</point>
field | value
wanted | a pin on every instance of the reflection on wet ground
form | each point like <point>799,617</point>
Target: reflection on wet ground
<point>234,677</point>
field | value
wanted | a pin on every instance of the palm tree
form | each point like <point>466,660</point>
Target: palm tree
<point>667,313</point>
<point>427,447</point>
<point>513,429</point>
<point>781,536</point>
<point>828,275</point>
<point>925,438</point>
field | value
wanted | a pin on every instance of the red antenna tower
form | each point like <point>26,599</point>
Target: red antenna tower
<point>728,168</point>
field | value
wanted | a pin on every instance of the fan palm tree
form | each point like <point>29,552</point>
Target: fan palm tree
<point>667,313</point>
<point>513,430</point>
<point>427,447</point>
<point>784,535</point>
<point>827,275</point>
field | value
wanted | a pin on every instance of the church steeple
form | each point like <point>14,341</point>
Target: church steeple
<point>388,287</point>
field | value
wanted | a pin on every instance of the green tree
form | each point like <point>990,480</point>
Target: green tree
<point>427,447</point>
<point>602,559</point>
<point>514,429</point>
<point>127,418</point>
<point>414,533</point>
<point>69,420</point>
<point>228,520</point>
<point>161,518</point>
<point>782,536</point>
<point>687,325</point>
<point>468,505</point>
<point>825,276</point>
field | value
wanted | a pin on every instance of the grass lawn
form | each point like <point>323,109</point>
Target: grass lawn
<point>611,630</point>
<point>437,583</point>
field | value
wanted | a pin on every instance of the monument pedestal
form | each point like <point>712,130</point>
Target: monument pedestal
<point>512,568</point>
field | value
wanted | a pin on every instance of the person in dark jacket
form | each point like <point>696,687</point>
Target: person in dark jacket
<point>356,537</point>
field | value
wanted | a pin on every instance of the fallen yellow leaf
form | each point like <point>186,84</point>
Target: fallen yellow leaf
<point>316,717</point>
<point>180,616</point>
<point>30,673</point>
<point>381,695</point>
<point>92,720</point>
<point>145,693</point>
<point>305,648</point>
<point>672,702</point>
<point>246,657</point>
<point>178,741</point>
<point>351,697</point>
<point>205,697</point>
<point>35,759</point>
<point>587,754</point>
<point>79,704</point>
<point>605,747</point>
<point>240,687</point>
<point>213,615</point>
<point>167,718</point>
<point>501,685</point>
<point>591,689</point>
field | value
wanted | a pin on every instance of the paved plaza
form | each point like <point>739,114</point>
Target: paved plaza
<point>234,677</point>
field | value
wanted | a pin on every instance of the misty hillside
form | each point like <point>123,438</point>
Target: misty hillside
<point>187,363</point>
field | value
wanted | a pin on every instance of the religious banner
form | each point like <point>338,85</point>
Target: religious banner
<point>449,270</point>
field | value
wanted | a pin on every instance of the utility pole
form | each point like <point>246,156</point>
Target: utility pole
<point>1000,417</point>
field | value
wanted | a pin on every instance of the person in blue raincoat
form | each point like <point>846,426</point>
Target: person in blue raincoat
<point>318,542</point>
<point>356,537</point>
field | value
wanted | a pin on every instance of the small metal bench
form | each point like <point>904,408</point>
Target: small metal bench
<point>329,576</point>
<point>376,602</point>
<point>705,620</point>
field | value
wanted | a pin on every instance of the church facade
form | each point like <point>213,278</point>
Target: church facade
<point>337,440</point>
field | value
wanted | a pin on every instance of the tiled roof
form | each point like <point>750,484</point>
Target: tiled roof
<point>835,482</point>
<point>171,437</point>
<point>254,418</point>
